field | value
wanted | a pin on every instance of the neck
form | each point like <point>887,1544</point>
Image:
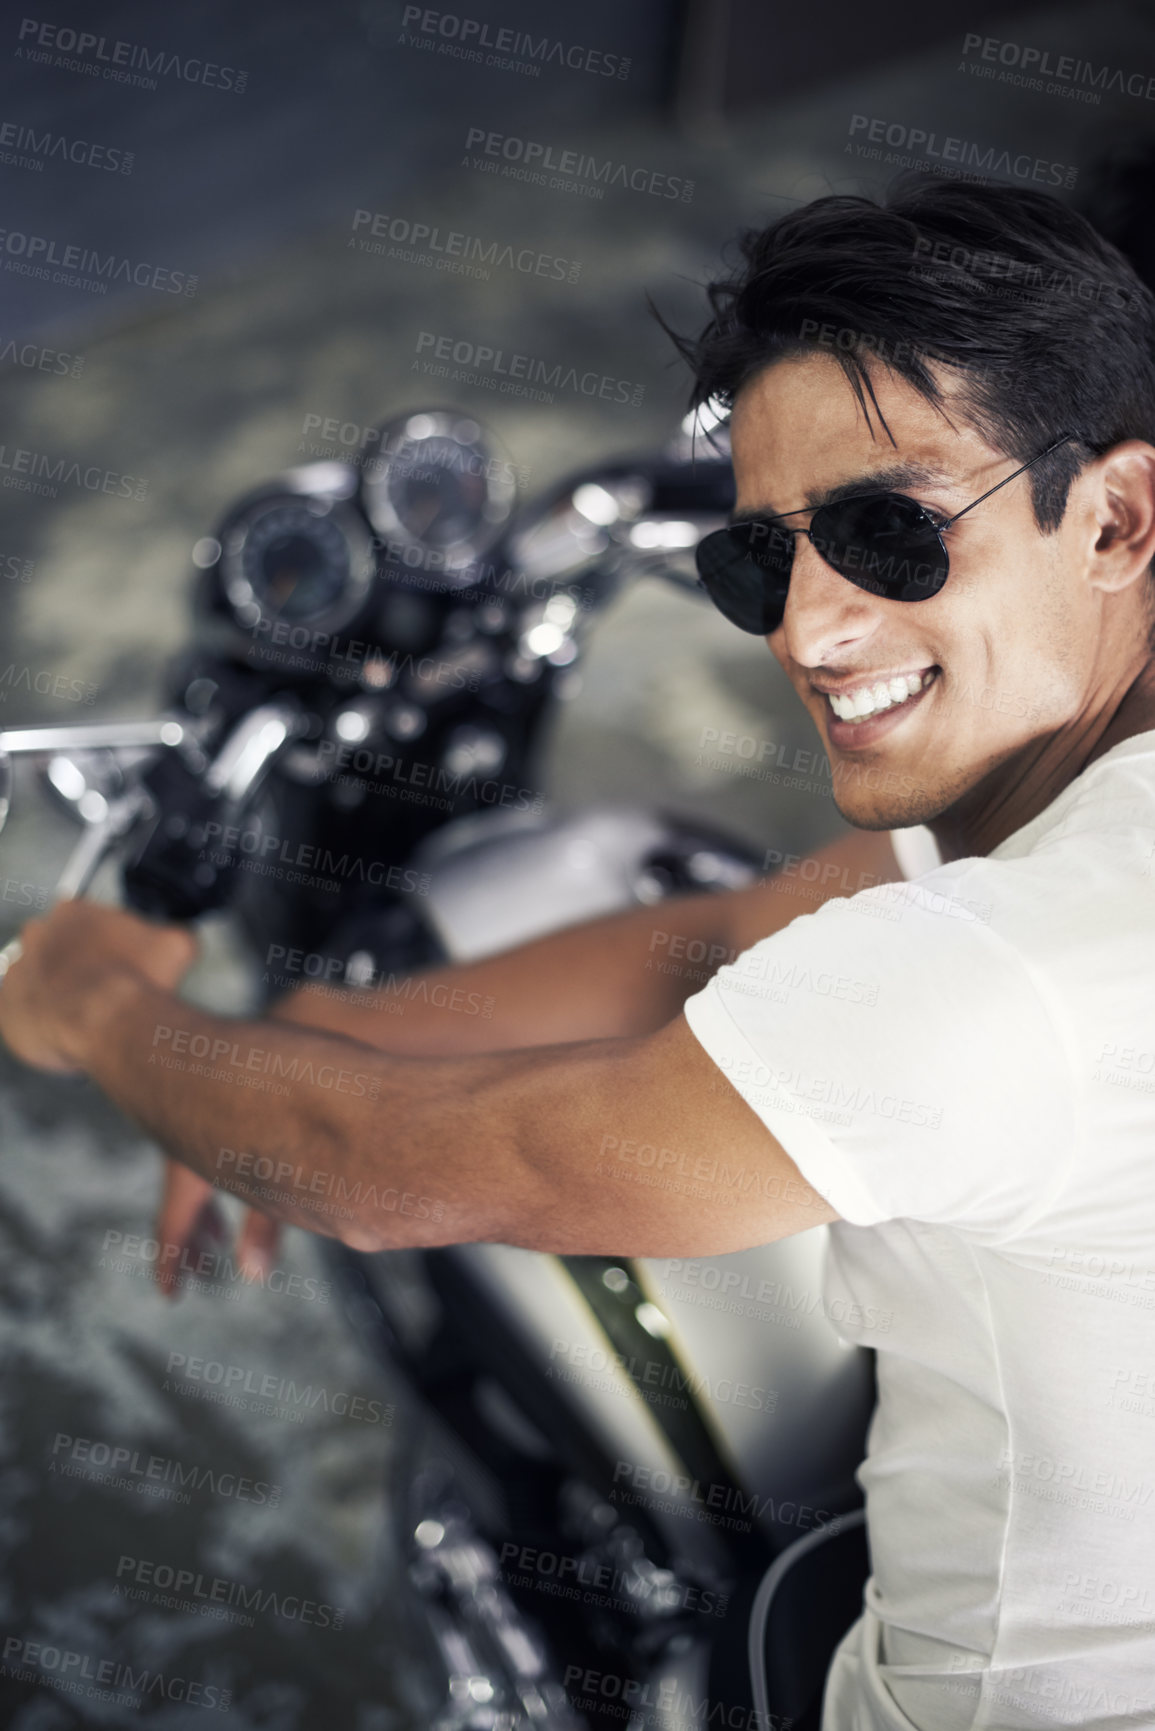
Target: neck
<point>1019,789</point>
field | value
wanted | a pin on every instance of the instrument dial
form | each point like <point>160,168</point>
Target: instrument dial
<point>295,558</point>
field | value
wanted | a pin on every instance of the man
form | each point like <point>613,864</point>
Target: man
<point>944,445</point>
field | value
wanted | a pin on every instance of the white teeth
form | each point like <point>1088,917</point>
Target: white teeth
<point>873,699</point>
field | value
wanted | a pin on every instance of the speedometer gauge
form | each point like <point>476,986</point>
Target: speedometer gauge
<point>439,485</point>
<point>306,560</point>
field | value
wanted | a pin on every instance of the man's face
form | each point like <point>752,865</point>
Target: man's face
<point>1006,650</point>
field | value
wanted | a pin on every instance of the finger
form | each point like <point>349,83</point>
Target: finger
<point>181,946</point>
<point>163,953</point>
<point>19,1011</point>
<point>257,1244</point>
<point>188,1219</point>
<point>209,1229</point>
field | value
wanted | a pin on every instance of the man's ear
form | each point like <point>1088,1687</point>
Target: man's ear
<point>1122,500</point>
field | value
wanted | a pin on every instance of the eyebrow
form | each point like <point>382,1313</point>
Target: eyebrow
<point>877,481</point>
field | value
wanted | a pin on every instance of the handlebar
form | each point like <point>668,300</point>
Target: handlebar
<point>231,777</point>
<point>95,736</point>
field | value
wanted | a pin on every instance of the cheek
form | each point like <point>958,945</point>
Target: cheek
<point>1049,637</point>
<point>988,621</point>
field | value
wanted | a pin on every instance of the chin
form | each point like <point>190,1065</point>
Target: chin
<point>873,820</point>
<point>864,816</point>
<point>885,809</point>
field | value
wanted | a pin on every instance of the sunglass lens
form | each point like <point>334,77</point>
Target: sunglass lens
<point>887,546</point>
<point>745,570</point>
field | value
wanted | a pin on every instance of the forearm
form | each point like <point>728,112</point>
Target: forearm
<point>506,1147</point>
<point>607,978</point>
<point>620,976</point>
<point>311,1127</point>
<point>318,1127</point>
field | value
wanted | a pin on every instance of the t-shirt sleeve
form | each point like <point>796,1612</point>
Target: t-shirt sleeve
<point>900,1051</point>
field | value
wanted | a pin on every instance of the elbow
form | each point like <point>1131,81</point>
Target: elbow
<point>392,1230</point>
<point>357,1236</point>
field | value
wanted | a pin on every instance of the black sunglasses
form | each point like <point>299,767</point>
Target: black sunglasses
<point>884,543</point>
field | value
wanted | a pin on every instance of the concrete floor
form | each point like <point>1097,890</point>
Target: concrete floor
<point>203,398</point>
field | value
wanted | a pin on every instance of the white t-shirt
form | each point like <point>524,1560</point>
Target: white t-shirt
<point>964,1067</point>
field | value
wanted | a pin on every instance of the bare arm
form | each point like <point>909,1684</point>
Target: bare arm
<point>615,978</point>
<point>520,1147</point>
<point>622,975</point>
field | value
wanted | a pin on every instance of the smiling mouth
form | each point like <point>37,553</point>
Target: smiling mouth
<point>862,702</point>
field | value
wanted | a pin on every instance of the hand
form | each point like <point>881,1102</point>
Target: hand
<point>189,1218</point>
<point>50,1000</point>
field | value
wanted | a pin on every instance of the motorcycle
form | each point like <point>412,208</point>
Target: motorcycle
<point>628,1492</point>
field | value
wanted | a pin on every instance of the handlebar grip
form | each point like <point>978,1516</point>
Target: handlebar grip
<point>176,871</point>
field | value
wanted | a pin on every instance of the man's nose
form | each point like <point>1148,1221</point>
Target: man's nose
<point>825,614</point>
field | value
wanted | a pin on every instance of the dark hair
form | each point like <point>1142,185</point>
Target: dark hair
<point>1046,323</point>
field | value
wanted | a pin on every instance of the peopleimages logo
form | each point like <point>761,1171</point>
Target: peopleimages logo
<point>562,170</point>
<point>270,1395</point>
<point>580,1360</point>
<point>24,894</point>
<point>1028,67</point>
<point>109,1680</point>
<point>451,250</point>
<point>16,568</point>
<point>223,1060</point>
<point>980,160</point>
<point>319,1182</point>
<point>205,1270</point>
<point>133,1469</point>
<point>39,358</point>
<point>714,1501</point>
<point>935,260</point>
<point>38,472</point>
<point>14,678</point>
<point>24,147</point>
<point>516,374</point>
<point>590,1581</point>
<point>121,62</point>
<point>230,844</point>
<point>199,1591</point>
<point>509,50</point>
<point>662,1700</point>
<point>395,451</point>
<point>39,256</point>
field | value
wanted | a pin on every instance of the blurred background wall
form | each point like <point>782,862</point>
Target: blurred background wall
<point>221,158</point>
